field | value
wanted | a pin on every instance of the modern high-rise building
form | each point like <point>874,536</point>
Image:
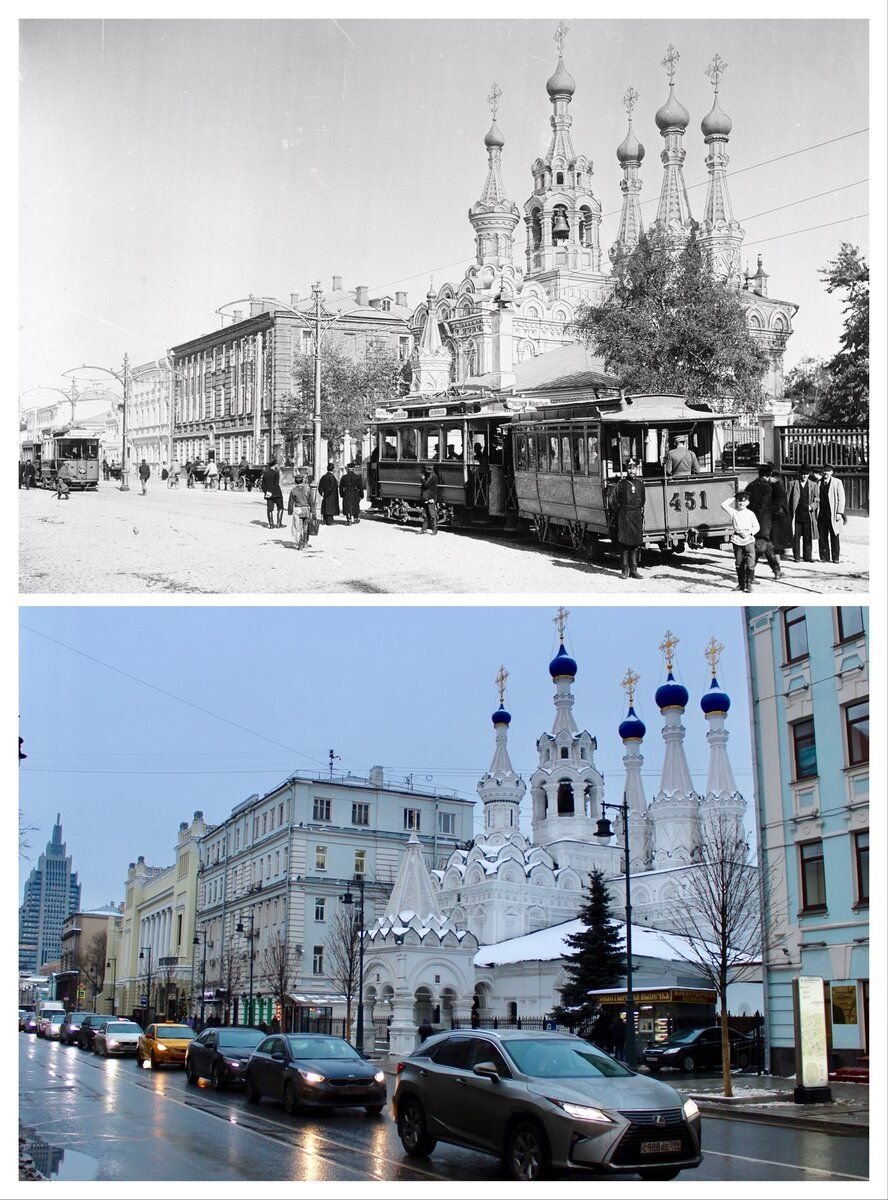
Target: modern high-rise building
<point>52,893</point>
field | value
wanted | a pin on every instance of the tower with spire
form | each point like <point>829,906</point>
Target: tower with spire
<point>720,235</point>
<point>630,154</point>
<point>673,811</point>
<point>674,222</point>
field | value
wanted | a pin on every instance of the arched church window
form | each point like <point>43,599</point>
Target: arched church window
<point>565,798</point>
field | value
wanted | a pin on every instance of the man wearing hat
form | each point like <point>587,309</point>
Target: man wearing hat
<point>681,460</point>
<point>830,514</point>
<point>803,500</point>
<point>328,490</point>
<point>351,492</point>
<point>628,510</point>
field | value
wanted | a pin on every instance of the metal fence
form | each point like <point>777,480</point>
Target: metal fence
<point>847,450</point>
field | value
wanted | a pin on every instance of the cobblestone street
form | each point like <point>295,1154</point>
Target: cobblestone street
<point>179,541</point>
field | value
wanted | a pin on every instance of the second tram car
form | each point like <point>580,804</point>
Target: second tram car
<point>554,468</point>
<point>77,451</point>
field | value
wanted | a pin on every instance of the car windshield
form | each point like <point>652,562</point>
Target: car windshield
<point>179,1033</point>
<point>240,1038</point>
<point>321,1048</point>
<point>121,1027</point>
<point>563,1058</point>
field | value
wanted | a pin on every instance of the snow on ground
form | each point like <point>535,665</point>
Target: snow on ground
<point>190,540</point>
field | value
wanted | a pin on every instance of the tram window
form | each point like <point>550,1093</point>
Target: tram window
<point>389,443</point>
<point>521,452</point>
<point>408,443</point>
<point>455,448</point>
<point>431,444</point>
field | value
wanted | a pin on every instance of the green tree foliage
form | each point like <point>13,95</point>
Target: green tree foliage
<point>599,955</point>
<point>350,390</point>
<point>846,401</point>
<point>670,327</point>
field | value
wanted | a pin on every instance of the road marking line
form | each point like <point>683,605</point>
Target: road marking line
<point>766,1162</point>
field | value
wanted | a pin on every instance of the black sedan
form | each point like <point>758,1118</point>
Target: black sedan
<point>221,1054</point>
<point>312,1070</point>
<point>694,1049</point>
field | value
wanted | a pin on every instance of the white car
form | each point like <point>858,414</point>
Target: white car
<point>52,1025</point>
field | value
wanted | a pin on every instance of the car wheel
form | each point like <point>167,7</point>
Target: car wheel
<point>526,1154</point>
<point>190,1073</point>
<point>688,1062</point>
<point>655,1174</point>
<point>412,1131</point>
<point>218,1077</point>
<point>253,1093</point>
<point>291,1101</point>
<point>373,1110</point>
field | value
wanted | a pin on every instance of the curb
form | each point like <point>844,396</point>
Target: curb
<point>812,1124</point>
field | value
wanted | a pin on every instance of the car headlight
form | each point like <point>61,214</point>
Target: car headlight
<point>582,1112</point>
<point>690,1109</point>
<point>161,1046</point>
<point>379,1077</point>
<point>311,1076</point>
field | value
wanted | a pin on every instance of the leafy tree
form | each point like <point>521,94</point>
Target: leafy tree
<point>599,955</point>
<point>847,396</point>
<point>670,326</point>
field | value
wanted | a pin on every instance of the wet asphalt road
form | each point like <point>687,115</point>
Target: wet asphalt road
<point>95,1119</point>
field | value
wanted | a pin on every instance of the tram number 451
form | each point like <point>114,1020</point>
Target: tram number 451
<point>688,501</point>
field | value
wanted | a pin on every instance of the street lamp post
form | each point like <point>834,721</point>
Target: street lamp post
<point>148,989</point>
<point>604,830</point>
<point>113,986</point>
<point>348,898</point>
<point>251,935</point>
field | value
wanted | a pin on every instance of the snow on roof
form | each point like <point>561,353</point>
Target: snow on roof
<point>547,945</point>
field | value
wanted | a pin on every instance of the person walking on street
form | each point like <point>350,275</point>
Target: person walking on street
<point>144,475</point>
<point>681,460</point>
<point>274,497</point>
<point>629,497</point>
<point>428,498</point>
<point>744,527</point>
<point>803,501</point>
<point>328,490</point>
<point>351,492</point>
<point>761,502</point>
<point>830,515</point>
<point>299,508</point>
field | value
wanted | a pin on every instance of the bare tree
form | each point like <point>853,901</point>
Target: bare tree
<point>342,948</point>
<point>280,966</point>
<point>717,911</point>
<point>91,962</point>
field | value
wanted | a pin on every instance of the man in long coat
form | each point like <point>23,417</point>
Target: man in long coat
<point>351,492</point>
<point>328,490</point>
<point>830,515</point>
<point>629,499</point>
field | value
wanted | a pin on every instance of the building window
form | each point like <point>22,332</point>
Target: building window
<point>320,858</point>
<point>317,960</point>
<point>321,810</point>
<point>360,862</point>
<point>411,818</point>
<point>813,876</point>
<point>795,630</point>
<point>447,822</point>
<point>360,814</point>
<point>861,866</point>
<point>850,621</point>
<point>857,731</point>
<point>320,908</point>
<point>805,748</point>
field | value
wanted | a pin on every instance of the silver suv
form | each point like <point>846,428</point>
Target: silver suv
<point>542,1100</point>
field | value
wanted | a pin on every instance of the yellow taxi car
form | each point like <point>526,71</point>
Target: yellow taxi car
<point>164,1045</point>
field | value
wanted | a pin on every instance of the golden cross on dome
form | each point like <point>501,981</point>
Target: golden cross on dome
<point>713,654</point>
<point>715,70</point>
<point>630,100</point>
<point>493,99</point>
<point>668,644</point>
<point>501,676</point>
<point>560,34</point>
<point>560,620</point>
<point>670,62</point>
<point>630,680</point>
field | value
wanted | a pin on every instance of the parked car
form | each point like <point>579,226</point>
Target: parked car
<point>221,1054</point>
<point>120,1038</point>
<point>313,1070</point>
<point>52,1024</point>
<point>539,1101</point>
<point>699,1048</point>
<point>69,1034</point>
<point>88,1027</point>
<point>164,1045</point>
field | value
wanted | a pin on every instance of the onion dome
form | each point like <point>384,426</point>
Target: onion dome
<point>716,123</point>
<point>501,717</point>
<point>630,149</point>
<point>715,700</point>
<point>562,664</point>
<point>673,114</point>
<point>633,728</point>
<point>671,694</point>
<point>493,137</point>
<point>561,83</point>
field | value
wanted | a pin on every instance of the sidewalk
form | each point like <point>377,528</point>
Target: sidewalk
<point>768,1099</point>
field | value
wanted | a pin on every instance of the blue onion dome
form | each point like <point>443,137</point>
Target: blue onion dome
<point>633,728</point>
<point>493,137</point>
<point>501,717</point>
<point>715,699</point>
<point>716,123</point>
<point>630,149</point>
<point>562,664</point>
<point>671,694</point>
<point>561,83</point>
<point>673,114</point>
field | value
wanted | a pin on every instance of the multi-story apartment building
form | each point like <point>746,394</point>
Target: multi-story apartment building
<point>809,681</point>
<point>277,868</point>
<point>149,431</point>
<point>52,893</point>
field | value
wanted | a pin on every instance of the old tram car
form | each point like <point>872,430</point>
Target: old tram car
<point>75,450</point>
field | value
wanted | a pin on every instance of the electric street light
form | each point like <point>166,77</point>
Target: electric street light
<point>148,990</point>
<point>604,830</point>
<point>124,378</point>
<point>348,898</point>
<point>113,986</point>
<point>251,935</point>
<point>198,934</point>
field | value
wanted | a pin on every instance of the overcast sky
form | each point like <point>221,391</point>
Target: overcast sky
<point>170,167</point>
<point>411,689</point>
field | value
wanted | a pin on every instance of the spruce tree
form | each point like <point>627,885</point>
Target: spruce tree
<point>599,955</point>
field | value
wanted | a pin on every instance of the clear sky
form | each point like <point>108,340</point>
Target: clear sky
<point>411,689</point>
<point>169,167</point>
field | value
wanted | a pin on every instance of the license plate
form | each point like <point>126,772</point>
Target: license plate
<point>661,1147</point>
